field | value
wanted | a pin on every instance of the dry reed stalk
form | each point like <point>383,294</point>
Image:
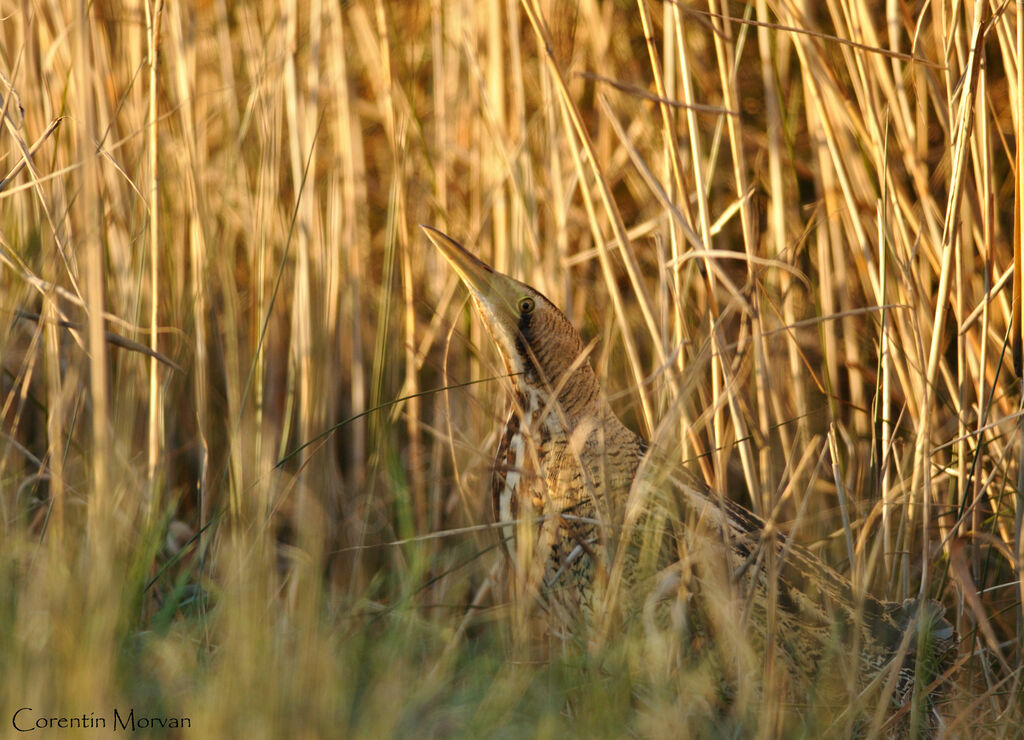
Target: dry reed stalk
<point>240,183</point>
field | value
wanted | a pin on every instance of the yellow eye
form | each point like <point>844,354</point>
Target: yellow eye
<point>526,305</point>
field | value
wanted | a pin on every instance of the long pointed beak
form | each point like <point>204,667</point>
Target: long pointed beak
<point>495,295</point>
<point>477,275</point>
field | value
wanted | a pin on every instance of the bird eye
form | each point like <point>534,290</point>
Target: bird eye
<point>526,305</point>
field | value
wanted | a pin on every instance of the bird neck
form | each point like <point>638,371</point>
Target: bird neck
<point>573,420</point>
<point>558,404</point>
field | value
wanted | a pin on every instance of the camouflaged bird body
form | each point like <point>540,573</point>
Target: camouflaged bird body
<point>573,484</point>
<point>832,638</point>
<point>568,491</point>
<point>561,483</point>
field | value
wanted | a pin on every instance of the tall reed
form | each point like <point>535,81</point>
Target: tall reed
<point>789,225</point>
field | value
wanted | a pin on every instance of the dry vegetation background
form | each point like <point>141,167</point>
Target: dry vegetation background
<point>791,228</point>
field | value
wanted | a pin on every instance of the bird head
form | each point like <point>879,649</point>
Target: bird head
<point>540,347</point>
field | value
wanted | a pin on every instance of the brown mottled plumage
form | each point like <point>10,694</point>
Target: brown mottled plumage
<point>563,475</point>
<point>564,451</point>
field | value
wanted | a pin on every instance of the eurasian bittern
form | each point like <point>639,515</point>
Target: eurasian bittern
<point>566,465</point>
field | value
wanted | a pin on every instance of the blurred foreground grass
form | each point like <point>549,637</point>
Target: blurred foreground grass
<point>245,204</point>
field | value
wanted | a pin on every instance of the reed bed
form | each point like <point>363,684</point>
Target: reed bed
<point>247,417</point>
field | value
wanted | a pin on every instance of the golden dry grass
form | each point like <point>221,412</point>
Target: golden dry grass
<point>789,224</point>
